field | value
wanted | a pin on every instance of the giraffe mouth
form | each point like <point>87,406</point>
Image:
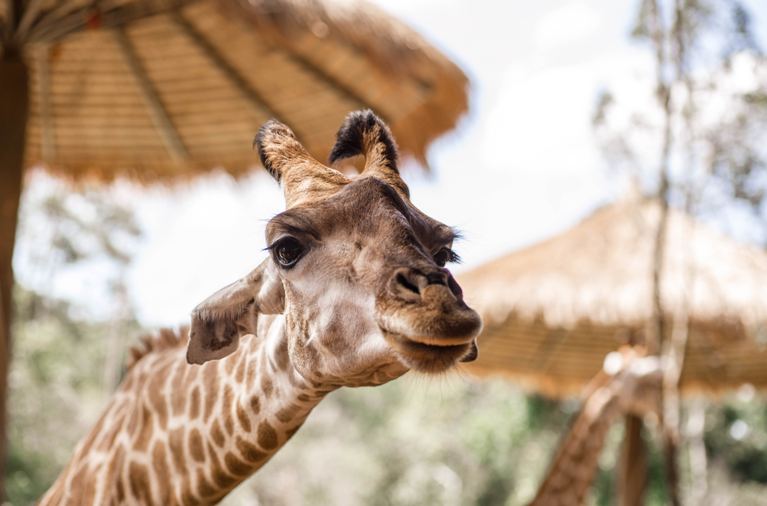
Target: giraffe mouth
<point>429,358</point>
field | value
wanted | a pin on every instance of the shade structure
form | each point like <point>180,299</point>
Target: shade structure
<point>166,88</point>
<point>553,311</point>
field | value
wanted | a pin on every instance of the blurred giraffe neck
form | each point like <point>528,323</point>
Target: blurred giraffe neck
<point>181,434</point>
<point>572,471</point>
<point>632,387</point>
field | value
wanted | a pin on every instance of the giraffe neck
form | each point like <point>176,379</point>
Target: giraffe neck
<point>181,434</point>
<point>572,471</point>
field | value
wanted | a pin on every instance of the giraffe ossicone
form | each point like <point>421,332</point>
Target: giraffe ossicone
<point>354,293</point>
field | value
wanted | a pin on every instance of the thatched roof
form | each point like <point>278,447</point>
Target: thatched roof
<point>554,310</point>
<point>169,87</point>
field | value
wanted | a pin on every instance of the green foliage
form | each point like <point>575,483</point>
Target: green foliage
<point>736,437</point>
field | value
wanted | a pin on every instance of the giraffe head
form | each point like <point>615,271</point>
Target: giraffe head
<point>358,271</point>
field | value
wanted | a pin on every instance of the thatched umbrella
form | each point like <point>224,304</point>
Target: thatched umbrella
<point>555,310</point>
<point>162,89</point>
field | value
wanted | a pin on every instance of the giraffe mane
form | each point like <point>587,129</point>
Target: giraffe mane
<point>164,339</point>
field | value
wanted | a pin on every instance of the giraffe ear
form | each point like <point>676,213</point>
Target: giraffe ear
<point>220,320</point>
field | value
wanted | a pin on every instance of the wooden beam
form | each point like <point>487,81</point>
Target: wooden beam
<point>50,18</point>
<point>59,23</point>
<point>31,12</point>
<point>319,74</point>
<point>156,109</point>
<point>225,67</point>
<point>47,139</point>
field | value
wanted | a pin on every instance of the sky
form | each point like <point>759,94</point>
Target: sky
<point>522,166</point>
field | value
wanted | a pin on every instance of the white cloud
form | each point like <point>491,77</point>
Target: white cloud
<point>541,121</point>
<point>572,22</point>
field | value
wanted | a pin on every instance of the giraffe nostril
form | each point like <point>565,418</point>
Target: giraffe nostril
<point>403,281</point>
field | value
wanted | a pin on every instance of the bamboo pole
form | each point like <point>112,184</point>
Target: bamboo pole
<point>14,100</point>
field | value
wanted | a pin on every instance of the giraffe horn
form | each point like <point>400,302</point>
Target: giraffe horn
<point>302,177</point>
<point>364,133</point>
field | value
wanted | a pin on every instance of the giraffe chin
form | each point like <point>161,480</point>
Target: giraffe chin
<point>428,358</point>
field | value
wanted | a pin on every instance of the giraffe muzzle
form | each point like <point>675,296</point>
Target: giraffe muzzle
<point>424,318</point>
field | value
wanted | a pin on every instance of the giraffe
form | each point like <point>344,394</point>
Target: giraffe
<point>354,293</point>
<point>629,384</point>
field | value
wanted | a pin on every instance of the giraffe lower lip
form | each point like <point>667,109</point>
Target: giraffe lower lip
<point>439,341</point>
<point>424,357</point>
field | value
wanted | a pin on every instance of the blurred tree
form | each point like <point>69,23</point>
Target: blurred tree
<point>705,131</point>
<point>700,144</point>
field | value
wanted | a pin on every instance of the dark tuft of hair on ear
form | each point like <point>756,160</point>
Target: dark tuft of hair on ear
<point>272,134</point>
<point>360,133</point>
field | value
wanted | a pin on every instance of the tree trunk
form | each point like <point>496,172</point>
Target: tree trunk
<point>14,100</point>
<point>698,462</point>
<point>633,466</point>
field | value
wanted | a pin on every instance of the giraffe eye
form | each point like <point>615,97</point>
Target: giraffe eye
<point>444,256</point>
<point>287,251</point>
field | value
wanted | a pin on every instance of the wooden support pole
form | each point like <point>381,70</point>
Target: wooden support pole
<point>633,465</point>
<point>14,100</point>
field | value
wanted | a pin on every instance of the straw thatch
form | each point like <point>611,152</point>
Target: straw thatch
<point>184,86</point>
<point>554,310</point>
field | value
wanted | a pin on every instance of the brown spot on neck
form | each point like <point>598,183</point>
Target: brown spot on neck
<point>239,376</point>
<point>267,386</point>
<point>255,404</point>
<point>162,472</point>
<point>267,436</point>
<point>227,400</point>
<point>236,466</point>
<point>216,434</point>
<point>157,394</point>
<point>196,448</point>
<point>138,477</point>
<point>176,447</point>
<point>178,399</point>
<point>222,478</point>
<point>145,433</point>
<point>83,485</point>
<point>204,488</point>
<point>210,381</point>
<point>249,451</point>
<point>194,404</point>
<point>288,413</point>
<point>243,418</point>
<point>252,373</point>
<point>291,432</point>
